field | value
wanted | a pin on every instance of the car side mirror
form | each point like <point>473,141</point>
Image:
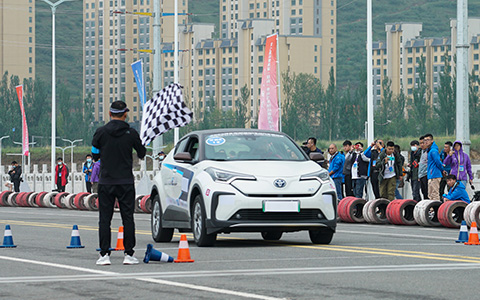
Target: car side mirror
<point>316,156</point>
<point>185,156</point>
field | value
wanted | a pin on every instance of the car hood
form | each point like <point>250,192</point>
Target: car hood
<point>267,168</point>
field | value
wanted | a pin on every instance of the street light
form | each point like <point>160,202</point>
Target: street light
<point>63,150</point>
<point>71,152</point>
<point>53,6</point>
<point>1,140</point>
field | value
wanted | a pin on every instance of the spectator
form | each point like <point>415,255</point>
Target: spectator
<point>95,176</point>
<point>388,164</point>
<point>456,190</point>
<point>87,170</point>
<point>359,170</point>
<point>311,145</point>
<point>347,168</point>
<point>446,167</point>
<point>61,175</point>
<point>399,183</point>
<point>372,152</point>
<point>460,163</point>
<point>15,176</point>
<point>335,169</point>
<point>415,155</point>
<point>435,168</point>
<point>423,168</point>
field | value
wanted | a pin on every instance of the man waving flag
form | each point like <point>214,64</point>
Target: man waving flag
<point>165,111</point>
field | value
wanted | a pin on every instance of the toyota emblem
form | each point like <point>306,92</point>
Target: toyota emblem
<point>279,183</point>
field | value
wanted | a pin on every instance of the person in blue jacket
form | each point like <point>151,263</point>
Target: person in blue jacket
<point>456,190</point>
<point>434,168</point>
<point>335,169</point>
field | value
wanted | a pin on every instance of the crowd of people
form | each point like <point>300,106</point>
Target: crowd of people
<point>428,169</point>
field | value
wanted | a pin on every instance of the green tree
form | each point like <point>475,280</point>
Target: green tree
<point>420,110</point>
<point>474,102</point>
<point>242,113</point>
<point>445,107</point>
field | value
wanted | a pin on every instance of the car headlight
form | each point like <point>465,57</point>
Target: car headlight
<point>321,176</point>
<point>227,176</point>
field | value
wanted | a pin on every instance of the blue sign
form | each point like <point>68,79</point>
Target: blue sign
<point>137,68</point>
<point>215,141</point>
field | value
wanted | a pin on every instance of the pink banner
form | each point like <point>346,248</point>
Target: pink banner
<point>25,148</point>
<point>268,115</point>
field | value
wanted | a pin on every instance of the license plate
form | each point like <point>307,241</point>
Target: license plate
<point>281,206</point>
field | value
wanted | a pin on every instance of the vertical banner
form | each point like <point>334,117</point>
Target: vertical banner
<point>268,115</point>
<point>25,148</point>
<point>137,68</point>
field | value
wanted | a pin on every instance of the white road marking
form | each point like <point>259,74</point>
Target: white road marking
<point>114,275</point>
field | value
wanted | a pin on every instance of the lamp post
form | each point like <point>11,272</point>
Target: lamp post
<point>53,6</point>
<point>71,152</point>
<point>63,150</point>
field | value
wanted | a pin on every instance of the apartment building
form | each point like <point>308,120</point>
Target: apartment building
<point>17,38</point>
<point>398,58</point>
<point>113,34</point>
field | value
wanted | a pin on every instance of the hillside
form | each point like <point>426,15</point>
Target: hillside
<point>351,32</point>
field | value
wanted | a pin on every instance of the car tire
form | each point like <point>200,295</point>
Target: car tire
<point>159,233</point>
<point>323,236</point>
<point>272,235</point>
<point>450,213</point>
<point>202,239</point>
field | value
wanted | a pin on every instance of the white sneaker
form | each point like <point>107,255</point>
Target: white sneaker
<point>130,260</point>
<point>104,260</point>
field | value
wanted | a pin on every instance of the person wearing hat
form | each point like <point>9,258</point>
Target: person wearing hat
<point>15,176</point>
<point>114,144</point>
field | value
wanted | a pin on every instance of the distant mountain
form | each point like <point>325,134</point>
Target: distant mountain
<point>351,32</point>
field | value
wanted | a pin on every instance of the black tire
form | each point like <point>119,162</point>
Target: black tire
<point>323,236</point>
<point>202,239</point>
<point>272,235</point>
<point>159,233</point>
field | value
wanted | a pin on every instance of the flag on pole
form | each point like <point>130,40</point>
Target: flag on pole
<point>137,68</point>
<point>268,115</point>
<point>165,111</point>
<point>25,145</point>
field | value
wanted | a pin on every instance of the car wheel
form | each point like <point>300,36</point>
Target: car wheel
<point>202,239</point>
<point>272,235</point>
<point>159,233</point>
<point>323,236</point>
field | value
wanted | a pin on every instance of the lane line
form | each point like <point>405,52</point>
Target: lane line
<point>114,275</point>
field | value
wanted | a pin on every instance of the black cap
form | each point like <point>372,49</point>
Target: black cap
<point>118,107</point>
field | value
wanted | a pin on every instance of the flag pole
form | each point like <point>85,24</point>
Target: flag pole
<point>279,89</point>
<point>175,49</point>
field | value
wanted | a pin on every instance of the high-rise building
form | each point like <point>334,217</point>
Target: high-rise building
<point>17,38</point>
<point>113,34</point>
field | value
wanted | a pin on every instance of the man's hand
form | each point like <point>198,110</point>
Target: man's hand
<point>444,173</point>
<point>386,159</point>
<point>451,152</point>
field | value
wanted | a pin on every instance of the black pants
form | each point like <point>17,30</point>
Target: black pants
<point>89,186</point>
<point>375,185</point>
<point>443,184</point>
<point>348,186</point>
<point>424,187</point>
<point>60,187</point>
<point>106,202</point>
<point>16,186</point>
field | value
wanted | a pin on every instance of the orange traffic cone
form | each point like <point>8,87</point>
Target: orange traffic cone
<point>120,246</point>
<point>183,251</point>
<point>473,237</point>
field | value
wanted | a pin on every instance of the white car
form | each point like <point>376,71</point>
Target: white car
<point>242,180</point>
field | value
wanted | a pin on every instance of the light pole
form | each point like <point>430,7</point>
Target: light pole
<point>1,140</point>
<point>23,156</point>
<point>71,152</point>
<point>53,6</point>
<point>63,150</point>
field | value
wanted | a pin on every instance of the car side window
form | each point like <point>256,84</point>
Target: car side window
<point>181,146</point>
<point>192,147</point>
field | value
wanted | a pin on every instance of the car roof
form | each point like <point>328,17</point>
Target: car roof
<point>227,130</point>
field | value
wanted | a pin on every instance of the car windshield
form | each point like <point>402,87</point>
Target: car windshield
<point>251,146</point>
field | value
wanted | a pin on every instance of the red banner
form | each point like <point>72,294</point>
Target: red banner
<point>268,115</point>
<point>25,148</point>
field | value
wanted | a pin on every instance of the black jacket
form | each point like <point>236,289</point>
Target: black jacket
<point>113,143</point>
<point>17,176</point>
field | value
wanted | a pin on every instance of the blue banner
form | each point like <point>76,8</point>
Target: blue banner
<point>137,68</point>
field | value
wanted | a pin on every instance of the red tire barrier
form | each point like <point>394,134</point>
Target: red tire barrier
<point>375,211</point>
<point>137,203</point>
<point>450,213</point>
<point>78,201</point>
<point>3,198</point>
<point>39,199</point>
<point>90,201</point>
<point>426,212</point>
<point>352,210</point>
<point>20,199</point>
<point>341,208</point>
<point>58,199</point>
<point>400,212</point>
<point>146,204</point>
<point>25,199</point>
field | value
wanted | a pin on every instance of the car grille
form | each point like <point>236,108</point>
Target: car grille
<point>259,215</point>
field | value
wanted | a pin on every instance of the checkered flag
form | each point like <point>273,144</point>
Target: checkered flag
<point>166,110</point>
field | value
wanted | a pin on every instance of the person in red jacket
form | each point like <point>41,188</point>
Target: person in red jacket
<point>61,175</point>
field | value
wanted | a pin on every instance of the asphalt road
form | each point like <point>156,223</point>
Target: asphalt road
<point>363,262</point>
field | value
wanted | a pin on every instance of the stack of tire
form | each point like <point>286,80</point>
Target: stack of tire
<point>375,211</point>
<point>400,212</point>
<point>472,213</point>
<point>350,209</point>
<point>451,213</point>
<point>426,213</point>
<point>143,203</point>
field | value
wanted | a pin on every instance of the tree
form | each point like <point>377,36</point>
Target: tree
<point>242,113</point>
<point>445,108</point>
<point>420,110</point>
<point>331,109</point>
<point>474,102</point>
